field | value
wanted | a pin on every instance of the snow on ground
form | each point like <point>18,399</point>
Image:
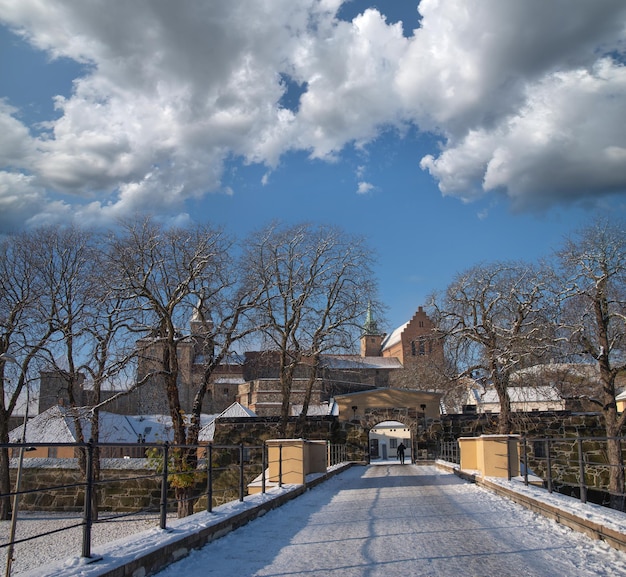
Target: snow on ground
<point>113,544</point>
<point>384,520</point>
<point>610,518</point>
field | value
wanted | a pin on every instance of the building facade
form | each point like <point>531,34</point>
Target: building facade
<point>416,341</point>
<point>253,378</point>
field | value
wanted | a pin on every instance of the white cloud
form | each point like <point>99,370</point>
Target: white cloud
<point>16,145</point>
<point>364,188</point>
<point>563,145</point>
<point>20,198</point>
<point>522,94</point>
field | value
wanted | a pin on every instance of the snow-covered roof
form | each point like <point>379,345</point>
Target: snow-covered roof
<point>358,362</point>
<point>321,410</point>
<point>394,337</point>
<point>518,394</point>
<point>56,425</point>
<point>235,410</point>
<point>229,381</point>
<point>558,371</point>
<point>390,425</point>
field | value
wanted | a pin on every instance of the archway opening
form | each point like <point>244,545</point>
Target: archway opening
<point>384,440</point>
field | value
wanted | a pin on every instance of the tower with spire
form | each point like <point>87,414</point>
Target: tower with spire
<point>371,337</point>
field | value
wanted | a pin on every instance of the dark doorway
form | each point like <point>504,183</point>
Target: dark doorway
<point>374,454</point>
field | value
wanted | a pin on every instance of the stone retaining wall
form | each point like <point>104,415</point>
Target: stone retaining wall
<point>122,492</point>
<point>564,427</point>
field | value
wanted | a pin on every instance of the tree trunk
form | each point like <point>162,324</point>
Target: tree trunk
<point>184,501</point>
<point>308,392</point>
<point>286,383</point>
<point>504,418</point>
<point>614,455</point>
<point>616,473</point>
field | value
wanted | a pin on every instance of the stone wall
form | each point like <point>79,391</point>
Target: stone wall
<point>122,492</point>
<point>256,431</point>
<point>126,493</point>
<point>126,484</point>
<point>562,428</point>
<point>535,424</point>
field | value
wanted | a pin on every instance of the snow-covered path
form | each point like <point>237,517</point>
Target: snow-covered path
<point>394,520</point>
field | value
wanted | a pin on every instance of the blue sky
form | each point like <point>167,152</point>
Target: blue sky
<point>447,133</point>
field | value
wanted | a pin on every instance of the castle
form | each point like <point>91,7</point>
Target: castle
<point>252,379</point>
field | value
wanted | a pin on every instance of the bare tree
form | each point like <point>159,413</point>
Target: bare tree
<point>65,261</point>
<point>88,324</point>
<point>172,275</point>
<point>318,282</point>
<point>593,298</point>
<point>24,331</point>
<point>494,322</point>
<point>433,375</point>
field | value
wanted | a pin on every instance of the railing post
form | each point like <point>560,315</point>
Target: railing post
<point>548,466</point>
<point>87,512</point>
<point>581,469</point>
<point>164,486</point>
<point>525,461</point>
<point>209,478</point>
<point>280,465</point>
<point>16,496</point>
<point>263,466</point>
<point>241,476</point>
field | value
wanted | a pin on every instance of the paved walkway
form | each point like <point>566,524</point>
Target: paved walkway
<point>394,520</point>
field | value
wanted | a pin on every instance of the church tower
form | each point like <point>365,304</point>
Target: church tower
<point>371,338</point>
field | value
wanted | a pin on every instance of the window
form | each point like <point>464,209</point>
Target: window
<point>422,347</point>
<point>413,351</point>
<point>393,443</point>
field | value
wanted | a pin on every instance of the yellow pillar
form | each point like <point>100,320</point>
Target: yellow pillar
<point>491,455</point>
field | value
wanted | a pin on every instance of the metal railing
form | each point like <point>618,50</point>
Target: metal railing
<point>575,466</point>
<point>220,474</point>
<point>449,451</point>
<point>578,466</point>
<point>337,454</point>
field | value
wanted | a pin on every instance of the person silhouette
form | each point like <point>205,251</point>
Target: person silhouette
<point>400,452</point>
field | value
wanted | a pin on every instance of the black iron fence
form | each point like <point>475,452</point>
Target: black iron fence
<point>588,468</point>
<point>210,474</point>
<point>576,466</point>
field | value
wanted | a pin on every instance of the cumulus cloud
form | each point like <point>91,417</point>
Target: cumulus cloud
<point>566,143</point>
<point>526,98</point>
<point>364,187</point>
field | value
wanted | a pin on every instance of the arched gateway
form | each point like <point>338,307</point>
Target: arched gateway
<point>370,408</point>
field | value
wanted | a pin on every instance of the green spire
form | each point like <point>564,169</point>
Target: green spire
<point>370,327</point>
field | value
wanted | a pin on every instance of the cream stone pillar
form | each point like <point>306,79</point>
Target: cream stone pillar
<point>468,447</point>
<point>294,459</point>
<point>491,455</point>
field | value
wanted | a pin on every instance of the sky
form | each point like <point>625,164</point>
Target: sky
<point>383,520</point>
<point>448,133</point>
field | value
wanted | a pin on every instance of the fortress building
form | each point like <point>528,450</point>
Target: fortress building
<point>253,379</point>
